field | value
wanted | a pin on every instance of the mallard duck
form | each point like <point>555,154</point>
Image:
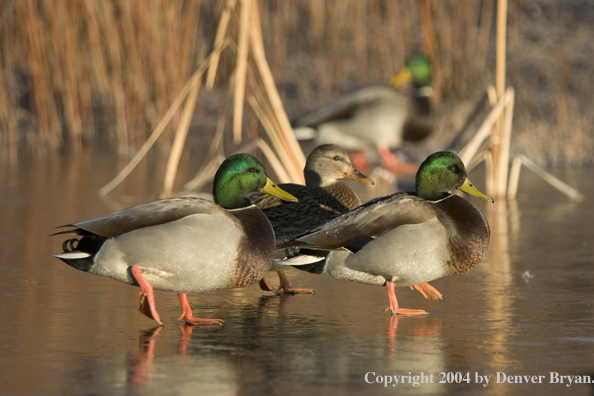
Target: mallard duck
<point>321,199</point>
<point>183,245</point>
<point>406,239</point>
<point>378,117</point>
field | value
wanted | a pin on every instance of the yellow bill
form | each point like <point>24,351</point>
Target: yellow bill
<point>354,174</point>
<point>402,78</point>
<point>272,189</point>
<point>470,189</point>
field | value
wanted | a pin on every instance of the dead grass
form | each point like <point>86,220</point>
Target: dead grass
<point>75,71</point>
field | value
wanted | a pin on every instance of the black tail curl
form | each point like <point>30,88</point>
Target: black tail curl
<point>89,244</point>
<point>68,245</point>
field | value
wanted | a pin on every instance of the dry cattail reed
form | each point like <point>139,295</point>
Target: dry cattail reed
<point>72,71</point>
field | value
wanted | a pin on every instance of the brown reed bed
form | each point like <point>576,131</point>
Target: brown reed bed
<point>75,71</point>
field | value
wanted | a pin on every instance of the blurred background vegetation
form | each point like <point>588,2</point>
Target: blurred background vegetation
<point>77,72</point>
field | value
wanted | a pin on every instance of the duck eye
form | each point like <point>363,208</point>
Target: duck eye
<point>452,168</point>
<point>251,170</point>
<point>336,158</point>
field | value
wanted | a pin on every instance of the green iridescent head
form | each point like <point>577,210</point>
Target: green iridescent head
<point>442,172</point>
<point>238,177</point>
<point>417,71</point>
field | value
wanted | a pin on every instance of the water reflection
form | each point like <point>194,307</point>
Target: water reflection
<point>505,225</point>
<point>182,372</point>
<point>67,332</point>
<point>201,361</point>
<point>427,327</point>
<point>141,370</point>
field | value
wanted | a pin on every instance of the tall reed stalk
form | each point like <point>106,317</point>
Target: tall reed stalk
<point>75,70</point>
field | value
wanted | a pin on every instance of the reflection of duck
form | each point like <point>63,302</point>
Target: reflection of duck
<point>405,239</point>
<point>184,244</point>
<point>321,199</point>
<point>422,327</point>
<point>379,117</point>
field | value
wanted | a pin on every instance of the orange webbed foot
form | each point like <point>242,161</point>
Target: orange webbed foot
<point>406,311</point>
<point>286,288</point>
<point>394,308</point>
<point>147,296</point>
<point>189,319</point>
<point>295,290</point>
<point>265,285</point>
<point>192,321</point>
<point>428,291</point>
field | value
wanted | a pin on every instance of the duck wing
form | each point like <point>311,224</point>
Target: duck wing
<point>345,106</point>
<point>370,220</point>
<point>145,215</point>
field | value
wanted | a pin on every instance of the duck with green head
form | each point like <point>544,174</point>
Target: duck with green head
<point>183,245</point>
<point>377,117</point>
<point>322,198</point>
<point>406,239</point>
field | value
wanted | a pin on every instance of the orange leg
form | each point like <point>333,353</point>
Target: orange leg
<point>187,314</point>
<point>393,164</point>
<point>428,291</point>
<point>394,303</point>
<point>267,286</point>
<point>147,296</point>
<point>358,159</point>
<point>288,289</point>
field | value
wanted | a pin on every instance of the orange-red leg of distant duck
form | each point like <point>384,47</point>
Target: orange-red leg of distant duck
<point>187,314</point>
<point>428,291</point>
<point>394,303</point>
<point>147,296</point>
<point>393,164</point>
<point>359,161</point>
<point>267,286</point>
<point>288,289</point>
